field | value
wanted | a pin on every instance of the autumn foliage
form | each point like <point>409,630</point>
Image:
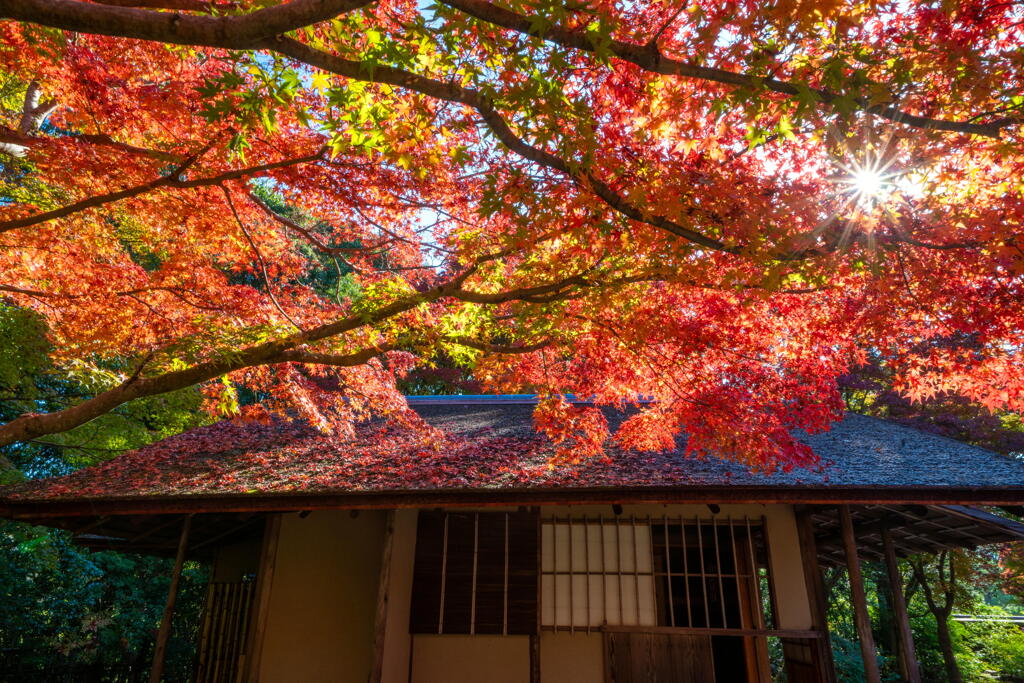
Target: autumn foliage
<point>716,207</point>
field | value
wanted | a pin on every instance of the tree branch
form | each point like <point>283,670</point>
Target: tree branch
<point>238,32</point>
<point>495,122</point>
<point>173,179</point>
<point>337,360</point>
<point>180,5</point>
<point>34,111</point>
<point>31,425</point>
<point>28,292</point>
<point>649,58</point>
<point>259,258</point>
<point>307,234</point>
<point>11,137</point>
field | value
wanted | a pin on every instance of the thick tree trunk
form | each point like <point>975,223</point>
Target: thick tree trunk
<point>946,646</point>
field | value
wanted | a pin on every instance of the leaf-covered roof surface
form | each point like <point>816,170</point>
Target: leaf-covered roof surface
<point>493,446</point>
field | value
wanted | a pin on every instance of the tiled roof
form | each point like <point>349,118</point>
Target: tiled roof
<point>490,445</point>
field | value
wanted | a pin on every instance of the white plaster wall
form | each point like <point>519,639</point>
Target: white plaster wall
<point>323,599</point>
<point>471,659</point>
<point>787,569</point>
<point>575,657</point>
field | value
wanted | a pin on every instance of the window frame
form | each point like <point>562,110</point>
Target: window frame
<point>756,600</point>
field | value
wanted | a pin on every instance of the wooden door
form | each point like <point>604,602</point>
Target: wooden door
<point>638,657</point>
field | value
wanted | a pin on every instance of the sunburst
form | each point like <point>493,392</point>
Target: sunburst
<point>873,184</point>
<point>870,182</point>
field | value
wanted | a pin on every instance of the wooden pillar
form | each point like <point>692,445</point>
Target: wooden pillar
<point>381,617</point>
<point>860,604</point>
<point>535,636</point>
<point>815,593</point>
<point>908,656</point>
<point>160,651</point>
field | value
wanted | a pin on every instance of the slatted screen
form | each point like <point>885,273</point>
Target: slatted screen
<point>475,572</point>
<point>224,629</point>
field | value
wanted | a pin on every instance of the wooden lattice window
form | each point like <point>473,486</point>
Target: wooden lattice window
<point>475,572</point>
<point>596,571</point>
<point>711,573</point>
<point>651,571</point>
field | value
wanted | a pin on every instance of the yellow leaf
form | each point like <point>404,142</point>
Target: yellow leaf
<point>685,146</point>
<point>321,81</point>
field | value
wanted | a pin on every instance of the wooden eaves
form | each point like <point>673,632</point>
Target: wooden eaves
<point>36,509</point>
<point>911,529</point>
<point>150,525</point>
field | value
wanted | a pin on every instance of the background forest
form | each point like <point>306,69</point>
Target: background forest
<point>69,614</point>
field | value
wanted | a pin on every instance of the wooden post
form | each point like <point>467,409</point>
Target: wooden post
<point>160,651</point>
<point>261,599</point>
<point>908,656</point>
<point>815,593</point>
<point>381,618</point>
<point>535,658</point>
<point>860,604</point>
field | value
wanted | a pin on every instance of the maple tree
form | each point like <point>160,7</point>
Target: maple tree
<point>716,207</point>
<point>869,390</point>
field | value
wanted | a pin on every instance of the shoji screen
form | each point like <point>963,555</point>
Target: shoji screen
<point>596,571</point>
